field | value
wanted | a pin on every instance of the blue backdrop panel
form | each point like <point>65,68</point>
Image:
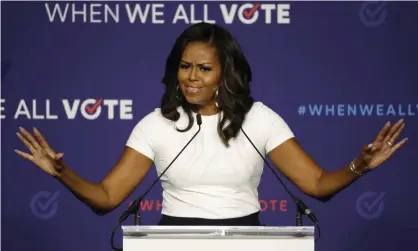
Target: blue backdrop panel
<point>336,73</point>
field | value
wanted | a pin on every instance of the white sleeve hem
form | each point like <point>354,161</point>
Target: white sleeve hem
<point>277,142</point>
<point>139,142</point>
<point>279,133</point>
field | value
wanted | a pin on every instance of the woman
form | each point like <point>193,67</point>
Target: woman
<point>215,180</point>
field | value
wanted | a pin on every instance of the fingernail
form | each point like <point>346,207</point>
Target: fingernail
<point>20,128</point>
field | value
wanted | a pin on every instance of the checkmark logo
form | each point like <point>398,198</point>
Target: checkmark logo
<point>370,205</point>
<point>373,14</point>
<point>93,108</point>
<point>44,204</point>
<point>249,13</point>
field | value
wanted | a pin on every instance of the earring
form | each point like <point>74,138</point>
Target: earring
<point>216,96</point>
<point>177,94</point>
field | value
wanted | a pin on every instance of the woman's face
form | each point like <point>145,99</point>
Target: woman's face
<point>199,73</point>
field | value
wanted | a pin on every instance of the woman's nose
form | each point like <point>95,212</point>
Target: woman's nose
<point>193,74</point>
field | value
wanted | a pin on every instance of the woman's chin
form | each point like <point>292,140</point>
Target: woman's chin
<point>194,100</point>
<point>198,101</point>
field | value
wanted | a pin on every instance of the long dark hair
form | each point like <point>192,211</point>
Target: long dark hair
<point>234,98</point>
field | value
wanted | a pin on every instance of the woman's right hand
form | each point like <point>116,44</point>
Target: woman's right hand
<point>43,155</point>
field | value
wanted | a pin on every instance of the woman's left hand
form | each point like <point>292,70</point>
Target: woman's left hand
<point>384,145</point>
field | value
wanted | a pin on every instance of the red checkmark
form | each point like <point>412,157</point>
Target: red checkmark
<point>249,14</point>
<point>91,109</point>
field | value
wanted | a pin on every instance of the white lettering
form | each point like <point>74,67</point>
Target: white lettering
<point>206,15</point>
<point>340,111</point>
<point>329,110</point>
<point>75,12</point>
<point>107,12</point>
<point>71,111</point>
<point>143,14</point>
<point>352,110</point>
<point>57,8</point>
<point>34,111</point>
<point>22,109</point>
<point>268,10</point>
<point>2,108</point>
<point>362,110</point>
<point>111,107</point>
<point>125,109</point>
<point>391,110</point>
<point>93,13</point>
<point>283,13</point>
<point>180,14</point>
<point>96,13</point>
<point>91,109</point>
<point>366,109</point>
<point>379,110</point>
<point>193,19</point>
<point>156,13</point>
<point>249,13</point>
<point>48,111</point>
<point>228,16</point>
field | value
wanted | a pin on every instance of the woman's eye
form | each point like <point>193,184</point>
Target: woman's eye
<point>203,68</point>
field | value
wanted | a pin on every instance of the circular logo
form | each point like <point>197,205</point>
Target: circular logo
<point>44,204</point>
<point>370,205</point>
<point>373,14</point>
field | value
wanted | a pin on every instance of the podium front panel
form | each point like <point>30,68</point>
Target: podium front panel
<point>217,238</point>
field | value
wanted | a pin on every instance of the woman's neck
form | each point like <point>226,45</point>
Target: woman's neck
<point>208,110</point>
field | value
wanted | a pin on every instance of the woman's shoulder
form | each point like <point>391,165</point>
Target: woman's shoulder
<point>152,120</point>
<point>155,120</point>
<point>260,110</point>
<point>154,116</point>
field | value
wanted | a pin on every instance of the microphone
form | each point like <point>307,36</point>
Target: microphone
<point>301,206</point>
<point>134,206</point>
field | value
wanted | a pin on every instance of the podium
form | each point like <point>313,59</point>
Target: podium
<point>218,238</point>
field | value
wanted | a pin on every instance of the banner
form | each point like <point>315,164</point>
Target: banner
<point>84,73</point>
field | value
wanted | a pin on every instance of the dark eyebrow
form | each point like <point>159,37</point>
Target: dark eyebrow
<point>183,61</point>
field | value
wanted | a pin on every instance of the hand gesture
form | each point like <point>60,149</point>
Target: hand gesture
<point>42,155</point>
<point>384,145</point>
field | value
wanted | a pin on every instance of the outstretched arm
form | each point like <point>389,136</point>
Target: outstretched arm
<point>106,195</point>
<point>302,170</point>
<point>101,197</point>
